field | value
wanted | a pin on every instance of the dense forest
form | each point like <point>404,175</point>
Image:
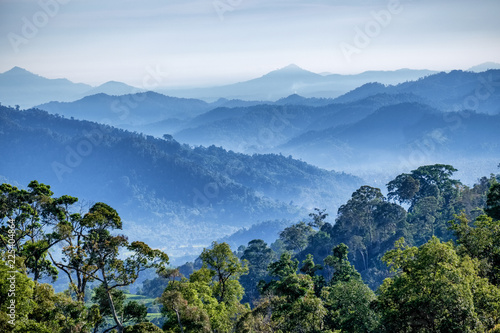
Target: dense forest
<point>424,258</point>
<point>152,181</point>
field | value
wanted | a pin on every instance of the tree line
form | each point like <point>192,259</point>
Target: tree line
<point>426,258</point>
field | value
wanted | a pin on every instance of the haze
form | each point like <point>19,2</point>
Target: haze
<point>211,42</point>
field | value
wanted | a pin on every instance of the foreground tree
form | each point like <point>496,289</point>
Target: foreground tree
<point>258,256</point>
<point>37,308</point>
<point>210,299</point>
<point>93,254</point>
<point>346,298</point>
<point>39,221</point>
<point>493,202</point>
<point>480,240</point>
<point>289,303</point>
<point>436,290</point>
<point>296,236</point>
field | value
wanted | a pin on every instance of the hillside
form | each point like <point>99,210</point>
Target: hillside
<point>188,196</point>
<point>453,91</point>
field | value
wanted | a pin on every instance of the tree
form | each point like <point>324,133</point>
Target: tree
<point>493,202</point>
<point>349,307</point>
<point>37,308</point>
<point>131,312</point>
<point>347,299</point>
<point>403,188</point>
<point>210,299</point>
<point>93,254</point>
<point>426,181</point>
<point>310,268</point>
<point>193,305</point>
<point>290,303</point>
<point>435,290</point>
<point>143,328</point>
<point>296,236</point>
<point>39,222</point>
<point>365,224</point>
<point>343,270</point>
<point>226,265</point>
<point>258,256</point>
<point>480,240</point>
<point>186,304</point>
<point>318,218</point>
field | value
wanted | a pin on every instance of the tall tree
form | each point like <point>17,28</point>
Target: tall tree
<point>93,254</point>
<point>39,222</point>
<point>436,290</point>
<point>296,236</point>
<point>493,202</point>
<point>226,265</point>
<point>425,181</point>
<point>209,301</point>
<point>258,256</point>
<point>480,240</point>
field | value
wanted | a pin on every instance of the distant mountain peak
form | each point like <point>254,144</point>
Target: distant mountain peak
<point>484,67</point>
<point>292,67</point>
<point>18,71</point>
<point>290,70</point>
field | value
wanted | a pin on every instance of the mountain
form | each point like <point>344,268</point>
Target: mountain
<point>113,88</point>
<point>453,91</point>
<point>168,194</point>
<point>397,137</point>
<point>484,67</point>
<point>131,109</point>
<point>154,113</point>
<point>292,79</point>
<point>263,128</point>
<point>23,88</point>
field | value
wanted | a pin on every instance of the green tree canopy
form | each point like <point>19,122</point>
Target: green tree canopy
<point>436,290</point>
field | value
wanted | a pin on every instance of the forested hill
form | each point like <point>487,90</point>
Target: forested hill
<point>172,194</point>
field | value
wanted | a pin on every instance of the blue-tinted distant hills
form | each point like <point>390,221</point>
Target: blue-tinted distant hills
<point>292,79</point>
<point>168,193</point>
<point>21,87</point>
<point>451,91</point>
<point>323,131</point>
<point>129,109</point>
<point>484,67</point>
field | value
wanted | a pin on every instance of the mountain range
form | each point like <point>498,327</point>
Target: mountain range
<point>321,131</point>
<point>169,194</point>
<point>295,80</point>
<point>200,170</point>
<point>21,87</point>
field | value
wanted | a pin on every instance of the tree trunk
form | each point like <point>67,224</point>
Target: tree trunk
<point>179,320</point>
<point>119,325</point>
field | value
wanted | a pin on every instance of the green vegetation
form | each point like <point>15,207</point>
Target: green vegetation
<point>430,267</point>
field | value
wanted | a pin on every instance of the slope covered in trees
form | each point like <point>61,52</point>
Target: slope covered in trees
<point>430,266</point>
<point>171,193</point>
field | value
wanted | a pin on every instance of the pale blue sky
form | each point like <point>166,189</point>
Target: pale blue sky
<point>94,41</point>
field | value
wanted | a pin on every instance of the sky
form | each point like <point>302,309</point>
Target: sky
<point>211,42</point>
